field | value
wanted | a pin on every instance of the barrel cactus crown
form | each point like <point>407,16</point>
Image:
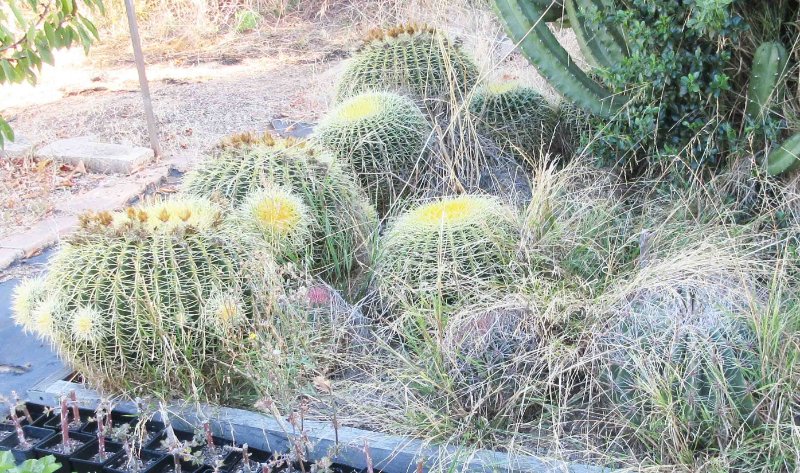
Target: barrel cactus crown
<point>382,137</point>
<point>151,297</point>
<point>517,118</point>
<point>416,60</point>
<point>279,219</point>
<point>341,219</point>
<point>447,252</point>
<point>682,376</point>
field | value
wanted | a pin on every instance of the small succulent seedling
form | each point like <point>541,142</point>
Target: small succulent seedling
<point>17,422</point>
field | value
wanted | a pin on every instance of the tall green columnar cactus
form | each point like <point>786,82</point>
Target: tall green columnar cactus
<point>382,137</point>
<point>156,297</point>
<point>525,25</point>
<point>766,79</point>
<point>415,60</point>
<point>602,47</point>
<point>341,220</point>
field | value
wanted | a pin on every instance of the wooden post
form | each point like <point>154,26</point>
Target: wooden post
<point>152,130</point>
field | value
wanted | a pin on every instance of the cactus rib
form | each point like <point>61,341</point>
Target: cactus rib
<point>588,39</point>
<point>766,78</point>
<point>542,48</point>
<point>786,158</point>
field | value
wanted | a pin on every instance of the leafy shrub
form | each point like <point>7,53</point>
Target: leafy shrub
<point>678,70</point>
<point>46,464</point>
<point>247,20</point>
<point>32,30</point>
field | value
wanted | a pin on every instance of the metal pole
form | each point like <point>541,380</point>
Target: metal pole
<point>139,58</point>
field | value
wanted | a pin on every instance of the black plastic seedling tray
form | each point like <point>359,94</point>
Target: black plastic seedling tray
<point>84,460</point>
<point>226,459</point>
<point>55,421</point>
<point>117,420</point>
<point>52,446</point>
<point>34,435</point>
<point>152,462</point>
<point>156,443</point>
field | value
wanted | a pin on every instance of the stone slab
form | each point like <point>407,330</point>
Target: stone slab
<point>9,256</point>
<point>19,148</point>
<point>389,453</point>
<point>40,235</point>
<point>98,157</point>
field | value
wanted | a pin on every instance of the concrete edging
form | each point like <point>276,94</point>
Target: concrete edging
<point>389,453</point>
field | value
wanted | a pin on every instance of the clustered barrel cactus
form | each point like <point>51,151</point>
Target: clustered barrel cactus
<point>447,252</point>
<point>153,296</point>
<point>340,218</point>
<point>517,118</point>
<point>417,60</point>
<point>382,138</point>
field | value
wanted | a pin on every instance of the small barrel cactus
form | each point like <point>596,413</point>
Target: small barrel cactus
<point>152,297</point>
<point>341,220</point>
<point>447,252</point>
<point>572,125</point>
<point>493,352</point>
<point>517,118</point>
<point>279,219</point>
<point>382,137</point>
<point>415,60</point>
<point>681,369</point>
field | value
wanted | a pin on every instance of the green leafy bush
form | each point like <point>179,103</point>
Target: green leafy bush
<point>678,72</point>
<point>31,30</point>
<point>45,464</point>
<point>247,20</point>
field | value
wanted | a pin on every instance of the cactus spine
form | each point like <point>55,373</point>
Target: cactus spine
<point>137,297</point>
<point>766,78</point>
<point>517,118</point>
<point>342,221</point>
<point>541,47</point>
<point>702,364</point>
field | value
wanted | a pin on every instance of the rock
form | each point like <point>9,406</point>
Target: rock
<point>19,148</point>
<point>98,157</point>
